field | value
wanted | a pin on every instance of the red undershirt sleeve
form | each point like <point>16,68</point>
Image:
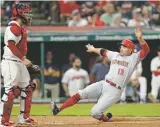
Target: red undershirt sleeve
<point>144,51</point>
<point>14,49</point>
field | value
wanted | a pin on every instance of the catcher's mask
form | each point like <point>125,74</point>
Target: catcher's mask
<point>22,11</point>
<point>129,44</point>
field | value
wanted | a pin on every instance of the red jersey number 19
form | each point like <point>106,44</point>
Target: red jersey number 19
<point>120,71</point>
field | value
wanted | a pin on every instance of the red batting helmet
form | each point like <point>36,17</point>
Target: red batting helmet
<point>22,11</point>
<point>129,44</point>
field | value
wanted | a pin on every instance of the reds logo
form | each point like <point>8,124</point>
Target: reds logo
<point>77,77</point>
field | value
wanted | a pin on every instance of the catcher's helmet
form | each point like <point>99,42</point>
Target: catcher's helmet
<point>22,11</point>
<point>129,44</point>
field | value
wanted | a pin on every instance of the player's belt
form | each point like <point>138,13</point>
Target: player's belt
<point>113,84</point>
<point>11,60</point>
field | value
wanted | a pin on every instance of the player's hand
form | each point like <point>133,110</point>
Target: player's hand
<point>27,62</point>
<point>67,94</point>
<point>138,32</point>
<point>90,48</point>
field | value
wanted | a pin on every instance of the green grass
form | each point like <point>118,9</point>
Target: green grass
<point>84,110</point>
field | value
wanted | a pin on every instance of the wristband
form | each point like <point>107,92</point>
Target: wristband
<point>23,58</point>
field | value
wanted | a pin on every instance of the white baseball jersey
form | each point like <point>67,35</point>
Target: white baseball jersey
<point>155,63</point>
<point>76,80</point>
<point>155,82</point>
<point>121,67</point>
<point>138,69</point>
<point>10,36</point>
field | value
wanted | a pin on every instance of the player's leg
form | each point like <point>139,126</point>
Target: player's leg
<point>123,96</point>
<point>143,88</point>
<point>92,91</point>
<point>109,96</point>
<point>154,91</point>
<point>27,88</point>
<point>10,75</point>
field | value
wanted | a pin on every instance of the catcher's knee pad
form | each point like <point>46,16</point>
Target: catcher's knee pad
<point>7,103</point>
<point>26,99</point>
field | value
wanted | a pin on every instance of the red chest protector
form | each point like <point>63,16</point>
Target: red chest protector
<point>22,45</point>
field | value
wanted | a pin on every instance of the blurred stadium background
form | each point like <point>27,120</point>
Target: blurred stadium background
<point>101,23</point>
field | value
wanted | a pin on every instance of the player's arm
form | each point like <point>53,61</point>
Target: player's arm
<point>56,73</point>
<point>92,77</point>
<point>93,74</point>
<point>91,48</point>
<point>16,52</point>
<point>65,87</point>
<point>104,52</point>
<point>145,48</point>
<point>14,33</point>
<point>99,51</point>
<point>65,81</point>
<point>87,80</point>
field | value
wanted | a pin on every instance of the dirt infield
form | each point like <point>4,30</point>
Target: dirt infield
<point>86,121</point>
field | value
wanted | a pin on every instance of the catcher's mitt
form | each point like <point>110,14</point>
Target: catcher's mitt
<point>34,71</point>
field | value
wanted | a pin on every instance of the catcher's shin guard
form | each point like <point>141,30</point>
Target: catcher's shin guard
<point>7,103</point>
<point>26,99</point>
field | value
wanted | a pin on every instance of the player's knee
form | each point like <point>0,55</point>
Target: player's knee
<point>11,94</point>
<point>27,92</point>
<point>83,94</point>
<point>16,91</point>
<point>143,80</point>
<point>95,113</point>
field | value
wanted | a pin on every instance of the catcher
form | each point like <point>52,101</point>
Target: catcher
<point>17,79</point>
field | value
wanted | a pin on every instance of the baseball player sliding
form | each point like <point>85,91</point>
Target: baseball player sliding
<point>108,91</point>
<point>17,79</point>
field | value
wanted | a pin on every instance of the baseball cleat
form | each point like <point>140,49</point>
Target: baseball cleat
<point>54,108</point>
<point>151,98</point>
<point>142,101</point>
<point>28,120</point>
<point>109,115</point>
<point>7,124</point>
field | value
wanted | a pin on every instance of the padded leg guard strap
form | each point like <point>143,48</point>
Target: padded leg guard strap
<point>26,99</point>
<point>7,103</point>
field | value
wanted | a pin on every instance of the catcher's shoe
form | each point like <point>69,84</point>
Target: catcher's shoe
<point>109,115</point>
<point>28,120</point>
<point>54,108</point>
<point>8,124</point>
<point>151,98</point>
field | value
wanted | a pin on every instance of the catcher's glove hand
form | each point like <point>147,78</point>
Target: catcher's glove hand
<point>34,71</point>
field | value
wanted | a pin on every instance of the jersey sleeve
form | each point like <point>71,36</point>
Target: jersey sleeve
<point>110,54</point>
<point>65,79</point>
<point>144,51</point>
<point>13,33</point>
